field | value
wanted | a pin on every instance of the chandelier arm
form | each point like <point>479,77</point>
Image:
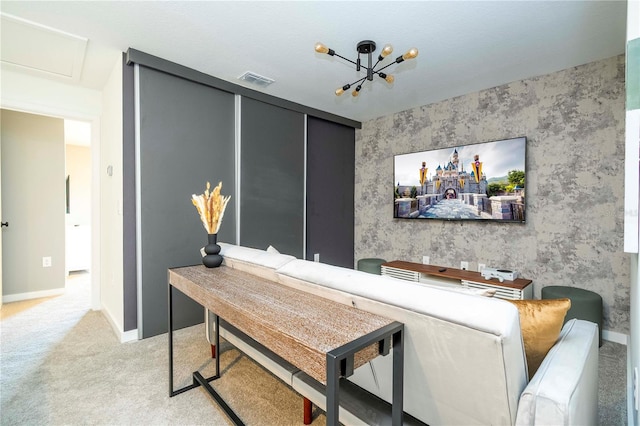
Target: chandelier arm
<point>357,81</point>
<point>346,59</point>
<point>385,67</point>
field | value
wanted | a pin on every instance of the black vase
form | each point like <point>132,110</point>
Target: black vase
<point>212,259</point>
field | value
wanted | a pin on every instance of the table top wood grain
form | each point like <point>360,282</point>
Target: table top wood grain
<point>297,326</point>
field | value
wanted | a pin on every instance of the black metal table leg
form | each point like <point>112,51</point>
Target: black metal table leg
<point>398,378</point>
<point>198,379</point>
<point>333,389</point>
<point>173,392</point>
<point>170,340</point>
<point>340,363</point>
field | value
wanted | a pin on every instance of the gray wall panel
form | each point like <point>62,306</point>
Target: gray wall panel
<point>186,139</point>
<point>150,61</point>
<point>272,177</point>
<point>330,182</point>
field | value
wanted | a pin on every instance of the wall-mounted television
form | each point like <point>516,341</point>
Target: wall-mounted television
<point>477,182</point>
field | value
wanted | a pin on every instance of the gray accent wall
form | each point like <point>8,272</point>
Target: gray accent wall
<point>574,121</point>
<point>330,180</point>
<point>33,202</point>
<point>150,61</point>
<point>189,133</point>
<point>272,178</point>
<point>186,139</point>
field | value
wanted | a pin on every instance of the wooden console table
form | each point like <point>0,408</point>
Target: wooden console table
<point>325,339</point>
<point>519,288</point>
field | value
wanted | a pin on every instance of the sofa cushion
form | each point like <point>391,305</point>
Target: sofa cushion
<point>431,300</point>
<point>255,256</point>
<point>540,322</point>
<point>272,249</point>
<point>564,391</point>
<point>254,261</point>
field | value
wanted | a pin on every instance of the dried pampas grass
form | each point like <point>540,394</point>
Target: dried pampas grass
<point>211,206</point>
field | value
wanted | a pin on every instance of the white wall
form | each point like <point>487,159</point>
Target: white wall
<point>78,217</point>
<point>78,168</point>
<point>27,93</point>
<point>32,94</point>
<point>111,201</point>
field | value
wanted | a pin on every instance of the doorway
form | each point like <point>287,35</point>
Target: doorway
<point>77,140</point>
<point>34,192</point>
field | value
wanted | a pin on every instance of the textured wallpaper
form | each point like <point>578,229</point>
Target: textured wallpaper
<point>574,124</point>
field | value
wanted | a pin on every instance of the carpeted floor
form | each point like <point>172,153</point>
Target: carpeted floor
<point>612,384</point>
<point>60,363</point>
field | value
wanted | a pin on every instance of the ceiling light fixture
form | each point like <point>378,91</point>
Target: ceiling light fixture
<point>368,47</point>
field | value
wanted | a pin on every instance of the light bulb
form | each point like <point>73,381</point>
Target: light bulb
<point>389,78</point>
<point>321,48</point>
<point>340,90</point>
<point>412,53</point>
<point>386,50</point>
<point>355,93</point>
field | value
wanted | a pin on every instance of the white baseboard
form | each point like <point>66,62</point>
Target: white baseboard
<point>32,295</point>
<point>129,336</point>
<point>123,336</point>
<point>615,337</point>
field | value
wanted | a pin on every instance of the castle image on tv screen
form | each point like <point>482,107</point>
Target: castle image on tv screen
<point>480,181</point>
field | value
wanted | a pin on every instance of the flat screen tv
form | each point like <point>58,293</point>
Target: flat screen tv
<point>473,182</point>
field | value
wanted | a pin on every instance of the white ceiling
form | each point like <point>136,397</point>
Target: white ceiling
<point>465,46</point>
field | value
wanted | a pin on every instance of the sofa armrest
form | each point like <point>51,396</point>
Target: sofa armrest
<point>564,390</point>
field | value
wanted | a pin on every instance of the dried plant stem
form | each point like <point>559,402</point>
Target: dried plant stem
<point>211,207</point>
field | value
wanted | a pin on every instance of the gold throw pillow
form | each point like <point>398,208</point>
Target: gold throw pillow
<point>540,322</point>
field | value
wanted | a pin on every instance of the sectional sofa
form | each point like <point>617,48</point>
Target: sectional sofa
<point>465,362</point>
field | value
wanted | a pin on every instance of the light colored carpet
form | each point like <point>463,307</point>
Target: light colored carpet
<point>612,384</point>
<point>60,363</point>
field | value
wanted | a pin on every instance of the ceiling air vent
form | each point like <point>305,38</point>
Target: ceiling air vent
<point>257,79</point>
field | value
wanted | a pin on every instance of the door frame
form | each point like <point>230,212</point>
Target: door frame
<point>52,111</point>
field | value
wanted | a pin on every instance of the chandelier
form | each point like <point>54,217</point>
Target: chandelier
<point>368,47</point>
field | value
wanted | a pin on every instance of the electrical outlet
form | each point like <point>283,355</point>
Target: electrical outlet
<point>481,267</point>
<point>316,257</point>
<point>464,265</point>
<point>46,262</point>
<point>425,260</point>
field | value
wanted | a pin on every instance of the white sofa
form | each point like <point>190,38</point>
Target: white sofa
<point>464,359</point>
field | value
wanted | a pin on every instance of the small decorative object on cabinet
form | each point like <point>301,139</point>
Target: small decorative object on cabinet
<point>211,206</point>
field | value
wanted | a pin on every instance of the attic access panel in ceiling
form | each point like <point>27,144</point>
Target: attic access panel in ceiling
<point>41,49</point>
